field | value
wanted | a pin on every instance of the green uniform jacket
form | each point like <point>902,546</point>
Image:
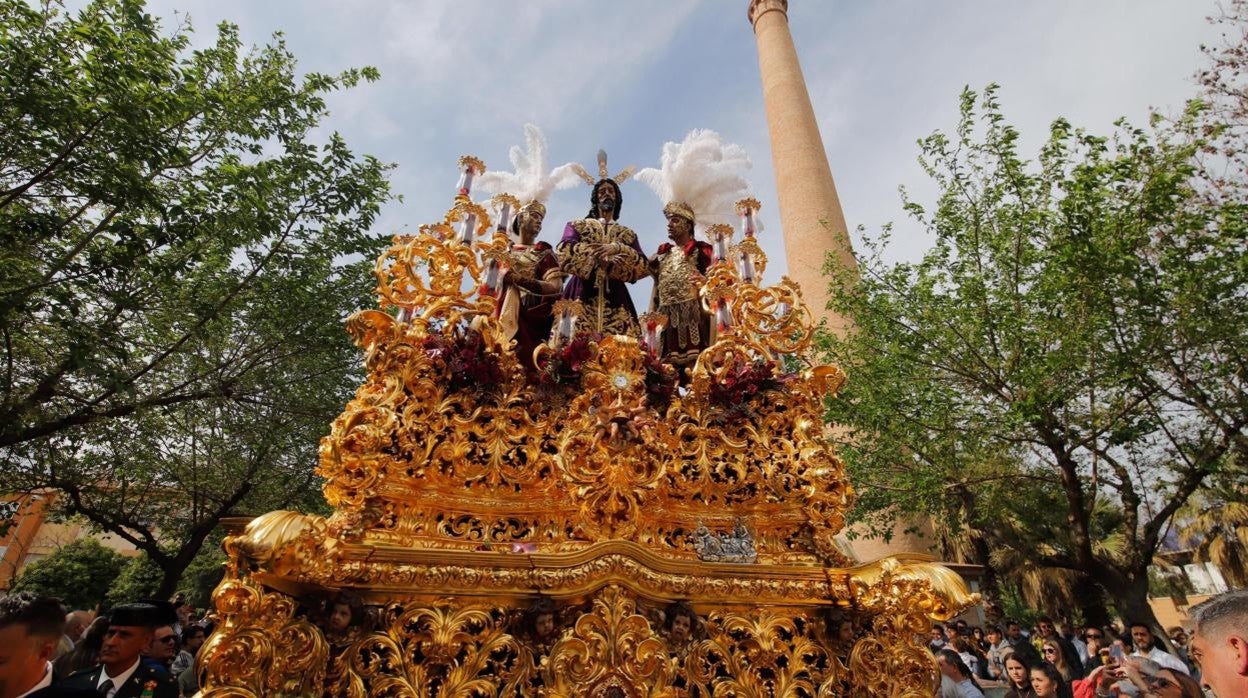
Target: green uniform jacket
<point>165,686</point>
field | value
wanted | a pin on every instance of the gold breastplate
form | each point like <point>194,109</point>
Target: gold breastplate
<point>675,280</point>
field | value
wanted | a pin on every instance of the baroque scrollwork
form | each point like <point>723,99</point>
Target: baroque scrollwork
<point>463,485</point>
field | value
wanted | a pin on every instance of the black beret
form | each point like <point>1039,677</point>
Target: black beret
<point>146,614</point>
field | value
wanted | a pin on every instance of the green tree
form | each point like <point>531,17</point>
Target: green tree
<point>78,573</point>
<point>178,250</point>
<point>139,579</point>
<point>1065,366</point>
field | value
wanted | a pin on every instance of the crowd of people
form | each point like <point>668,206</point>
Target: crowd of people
<point>1059,660</point>
<point>148,650</point>
<point>138,650</point>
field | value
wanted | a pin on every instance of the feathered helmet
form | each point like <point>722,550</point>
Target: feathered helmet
<point>700,178</point>
<point>531,183</point>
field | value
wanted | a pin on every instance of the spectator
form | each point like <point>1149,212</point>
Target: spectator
<point>162,649</point>
<point>1047,682</point>
<point>131,628</point>
<point>1145,646</point>
<point>959,674</point>
<point>76,623</point>
<point>1018,677</point>
<point>978,640</point>
<point>31,626</point>
<point>1067,631</point>
<point>937,640</point>
<point>1094,641</point>
<point>1053,654</point>
<point>185,612</point>
<point>1018,640</point>
<point>1071,665</point>
<point>1220,643</point>
<point>86,653</point>
<point>962,646</point>
<point>994,667</point>
<point>192,640</point>
<point>1144,677</point>
<point>1179,637</point>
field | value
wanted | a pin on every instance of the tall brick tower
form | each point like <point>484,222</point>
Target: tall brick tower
<point>812,222</point>
<point>810,211</point>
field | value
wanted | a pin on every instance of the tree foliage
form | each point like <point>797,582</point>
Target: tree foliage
<point>139,579</point>
<point>179,246</point>
<point>78,573</point>
<point>1065,366</point>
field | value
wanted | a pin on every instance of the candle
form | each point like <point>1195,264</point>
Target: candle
<point>504,217</point>
<point>468,229</point>
<point>652,326</point>
<point>469,168</point>
<point>745,265</point>
<point>493,277</point>
<point>723,314</point>
<point>721,234</point>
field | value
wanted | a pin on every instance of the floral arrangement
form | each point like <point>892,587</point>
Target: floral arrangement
<point>742,381</point>
<point>563,366</point>
<point>465,358</point>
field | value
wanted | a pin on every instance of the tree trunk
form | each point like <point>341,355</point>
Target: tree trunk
<point>1130,593</point>
<point>169,582</point>
<point>1091,601</point>
<point>990,585</point>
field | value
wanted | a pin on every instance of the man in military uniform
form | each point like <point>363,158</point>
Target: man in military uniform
<point>678,267</point>
<point>122,673</point>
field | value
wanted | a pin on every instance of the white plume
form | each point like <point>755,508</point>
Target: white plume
<point>531,181</point>
<point>703,172</point>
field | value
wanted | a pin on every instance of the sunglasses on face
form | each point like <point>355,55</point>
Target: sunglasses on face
<point>1050,650</point>
<point>171,639</point>
<point>1094,636</point>
<point>1156,683</point>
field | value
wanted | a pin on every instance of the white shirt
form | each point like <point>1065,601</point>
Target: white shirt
<point>43,683</point>
<point>1164,659</point>
<point>1081,648</point>
<point>118,680</point>
<point>969,690</point>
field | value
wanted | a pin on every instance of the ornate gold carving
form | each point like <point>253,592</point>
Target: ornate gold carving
<point>460,488</point>
<point>611,647</point>
<point>260,646</point>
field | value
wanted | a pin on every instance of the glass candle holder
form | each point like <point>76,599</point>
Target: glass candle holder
<point>652,326</point>
<point>722,308</point>
<point>469,168</point>
<point>493,276</point>
<point>721,236</point>
<point>468,229</point>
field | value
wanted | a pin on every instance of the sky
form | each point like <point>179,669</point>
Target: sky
<point>463,77</point>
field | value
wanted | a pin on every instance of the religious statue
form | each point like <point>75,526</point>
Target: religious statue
<point>601,256</point>
<point>531,285</point>
<point>678,267</point>
<point>533,279</point>
<point>699,181</point>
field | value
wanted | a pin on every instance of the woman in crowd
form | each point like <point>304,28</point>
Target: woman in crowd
<point>1052,653</point>
<point>977,639</point>
<point>1048,682</point>
<point>1018,677</point>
